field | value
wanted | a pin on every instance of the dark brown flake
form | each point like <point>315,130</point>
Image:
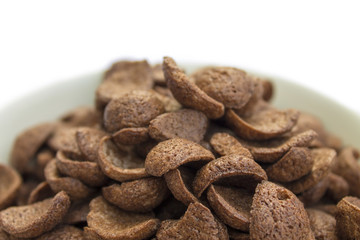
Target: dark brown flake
<point>230,86</point>
<point>316,193</point>
<point>348,218</point>
<point>64,232</point>
<point>171,154</point>
<point>197,223</point>
<point>187,93</point>
<point>347,166</point>
<point>338,187</point>
<point>262,125</point>
<point>234,169</point>
<point>142,195</point>
<point>134,109</point>
<point>121,78</point>
<point>33,220</point>
<point>322,224</point>
<point>131,136</point>
<point>28,143</point>
<point>73,187</point>
<point>88,140</point>
<point>85,171</point>
<point>81,116</point>
<point>225,144</point>
<point>323,161</point>
<point>158,75</point>
<point>10,182</point>
<point>120,164</point>
<point>179,181</point>
<point>276,213</point>
<point>186,123</point>
<point>110,222</point>
<point>41,192</point>
<point>64,139</point>
<point>272,150</point>
<point>231,205</point>
<point>296,163</point>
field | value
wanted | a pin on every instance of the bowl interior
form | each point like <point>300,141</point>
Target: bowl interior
<point>51,102</point>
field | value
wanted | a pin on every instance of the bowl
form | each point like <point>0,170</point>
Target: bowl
<point>49,103</point>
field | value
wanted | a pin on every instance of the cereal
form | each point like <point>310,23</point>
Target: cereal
<point>65,232</point>
<point>236,169</point>
<point>158,75</point>
<point>90,234</point>
<point>272,150</point>
<point>123,77</point>
<point>73,187</point>
<point>110,222</point>
<point>144,148</point>
<point>322,224</point>
<point>314,194</point>
<point>187,93</point>
<point>348,217</point>
<point>256,100</point>
<point>10,182</point>
<point>230,86</point>
<point>120,164</point>
<point>175,152</point>
<point>4,235</point>
<point>87,172</point>
<point>88,140</point>
<point>307,121</point>
<point>347,166</point>
<point>40,192</point>
<point>186,123</point>
<point>327,208</point>
<point>81,116</point>
<point>197,223</point>
<point>323,160</point>
<point>338,187</point>
<point>166,155</point>
<point>225,144</point>
<point>33,220</point>
<point>132,72</point>
<point>27,144</point>
<point>164,91</point>
<point>24,191</point>
<point>179,182</point>
<point>237,235</point>
<point>131,136</point>
<point>205,144</point>
<point>231,205</point>
<point>170,209</point>
<point>268,90</point>
<point>262,125</point>
<point>141,195</point>
<point>134,109</point>
<point>64,139</point>
<point>168,100</point>
<point>276,213</point>
<point>109,90</point>
<point>43,157</point>
<point>296,163</point>
<point>78,212</point>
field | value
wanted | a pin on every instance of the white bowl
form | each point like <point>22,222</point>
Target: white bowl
<point>49,103</point>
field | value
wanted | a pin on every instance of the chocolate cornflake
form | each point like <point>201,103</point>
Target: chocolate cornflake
<point>166,154</point>
<point>35,219</point>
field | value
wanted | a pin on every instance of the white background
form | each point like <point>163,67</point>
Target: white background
<point>315,43</point>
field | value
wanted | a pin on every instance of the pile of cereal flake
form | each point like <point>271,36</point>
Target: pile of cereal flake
<point>166,155</point>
